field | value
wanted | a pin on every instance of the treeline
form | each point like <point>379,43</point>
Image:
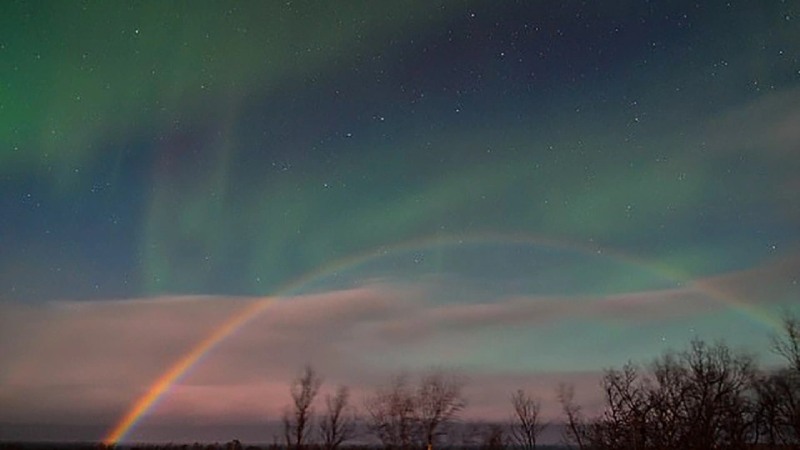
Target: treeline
<point>706,396</point>
<point>403,414</point>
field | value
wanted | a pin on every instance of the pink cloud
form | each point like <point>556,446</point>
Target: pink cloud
<point>101,356</point>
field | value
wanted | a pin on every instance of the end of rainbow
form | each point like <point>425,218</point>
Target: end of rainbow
<point>180,368</point>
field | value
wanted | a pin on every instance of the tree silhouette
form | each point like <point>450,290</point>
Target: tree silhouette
<point>575,426</point>
<point>339,422</point>
<point>526,423</point>
<point>297,419</point>
<point>402,416</point>
<point>439,399</point>
<point>787,345</point>
<point>700,398</point>
<point>391,415</point>
<point>778,410</point>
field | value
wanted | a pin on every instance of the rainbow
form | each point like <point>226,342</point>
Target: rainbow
<point>181,367</point>
<point>160,386</point>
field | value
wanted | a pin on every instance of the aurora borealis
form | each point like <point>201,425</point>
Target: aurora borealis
<point>527,191</point>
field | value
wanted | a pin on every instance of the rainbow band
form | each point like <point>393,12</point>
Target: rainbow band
<point>180,368</point>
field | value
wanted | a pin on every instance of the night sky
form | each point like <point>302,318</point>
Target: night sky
<point>525,191</point>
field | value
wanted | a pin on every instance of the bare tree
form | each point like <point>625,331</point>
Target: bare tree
<point>623,424</point>
<point>575,430</point>
<point>297,419</point>
<point>526,424</point>
<point>667,401</point>
<point>339,422</point>
<point>439,399</point>
<point>788,344</point>
<point>778,392</point>
<point>715,393</point>
<point>402,416</point>
<point>391,414</point>
<point>700,398</point>
<point>779,408</point>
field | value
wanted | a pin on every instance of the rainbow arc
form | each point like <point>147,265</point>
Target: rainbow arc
<point>147,401</point>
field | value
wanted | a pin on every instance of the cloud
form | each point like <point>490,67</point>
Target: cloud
<point>86,362</point>
<point>769,123</point>
<point>102,355</point>
<point>519,311</point>
<point>763,136</point>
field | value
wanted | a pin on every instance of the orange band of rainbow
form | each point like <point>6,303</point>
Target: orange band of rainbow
<point>168,378</point>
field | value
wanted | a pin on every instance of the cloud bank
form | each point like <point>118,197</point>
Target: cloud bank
<point>84,363</point>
